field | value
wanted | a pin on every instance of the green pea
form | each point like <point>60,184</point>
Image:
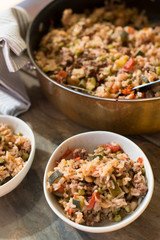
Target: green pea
<point>25,156</point>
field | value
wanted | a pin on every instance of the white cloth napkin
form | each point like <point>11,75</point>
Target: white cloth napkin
<point>13,26</point>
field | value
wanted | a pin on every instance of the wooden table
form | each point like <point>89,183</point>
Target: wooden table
<point>25,214</point>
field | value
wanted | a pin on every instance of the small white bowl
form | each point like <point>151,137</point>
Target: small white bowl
<point>90,141</point>
<point>18,126</point>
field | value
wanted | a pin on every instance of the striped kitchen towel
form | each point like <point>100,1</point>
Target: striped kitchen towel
<point>13,27</point>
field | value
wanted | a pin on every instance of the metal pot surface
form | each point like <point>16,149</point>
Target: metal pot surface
<point>136,116</point>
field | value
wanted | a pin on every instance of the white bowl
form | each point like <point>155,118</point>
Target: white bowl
<point>90,141</point>
<point>18,126</point>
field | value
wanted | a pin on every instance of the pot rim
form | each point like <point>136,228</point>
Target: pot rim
<point>28,38</point>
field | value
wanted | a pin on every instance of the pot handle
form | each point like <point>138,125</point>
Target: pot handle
<point>30,66</point>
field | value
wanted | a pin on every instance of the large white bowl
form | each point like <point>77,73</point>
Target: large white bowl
<point>18,126</point>
<point>90,141</point>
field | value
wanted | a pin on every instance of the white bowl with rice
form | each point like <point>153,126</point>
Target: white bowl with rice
<point>90,141</point>
<point>14,165</point>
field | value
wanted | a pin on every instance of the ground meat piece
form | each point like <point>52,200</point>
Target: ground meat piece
<point>92,67</point>
<point>67,56</point>
<point>124,50</point>
<point>79,152</point>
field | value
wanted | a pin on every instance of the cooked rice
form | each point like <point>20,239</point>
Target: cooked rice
<point>107,52</point>
<point>91,187</point>
<point>14,152</point>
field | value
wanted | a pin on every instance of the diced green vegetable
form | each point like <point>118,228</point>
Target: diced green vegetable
<point>110,46</point>
<point>54,176</point>
<point>117,190</point>
<point>158,70</point>
<point>45,69</point>
<point>58,194</point>
<point>124,36</point>
<point>53,77</point>
<point>49,56</point>
<point>144,79</point>
<point>109,196</point>
<point>118,152</point>
<point>140,53</point>
<point>61,44</point>
<point>77,53</point>
<point>19,134</point>
<point>133,205</point>
<point>91,84</point>
<point>129,82</point>
<point>102,58</point>
<point>130,75</point>
<point>128,209</point>
<point>94,156</point>
<point>117,218</point>
<point>2,161</point>
<point>120,182</point>
<point>82,83</point>
<point>100,190</point>
<point>25,156</point>
<point>81,192</point>
<point>143,171</point>
<point>79,203</point>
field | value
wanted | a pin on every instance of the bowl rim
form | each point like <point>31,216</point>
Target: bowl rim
<point>31,156</point>
<point>28,39</point>
<point>109,228</point>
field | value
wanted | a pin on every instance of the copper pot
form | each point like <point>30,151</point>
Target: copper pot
<point>123,116</point>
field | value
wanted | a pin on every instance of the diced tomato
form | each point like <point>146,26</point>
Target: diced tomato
<point>77,159</point>
<point>75,195</point>
<point>92,201</point>
<point>130,30</point>
<point>67,153</point>
<point>113,148</point>
<point>127,90</point>
<point>129,64</point>
<point>145,29</point>
<point>140,160</point>
<point>70,210</point>
<point>59,79</point>
<point>132,96</point>
<point>62,74</point>
<point>61,189</point>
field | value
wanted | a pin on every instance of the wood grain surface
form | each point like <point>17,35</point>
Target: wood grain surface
<point>25,214</point>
